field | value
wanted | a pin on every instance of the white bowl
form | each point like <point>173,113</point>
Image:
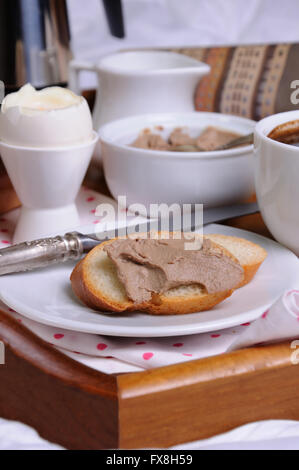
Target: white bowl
<point>151,176</point>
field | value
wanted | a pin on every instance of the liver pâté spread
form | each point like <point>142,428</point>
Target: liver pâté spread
<point>153,266</point>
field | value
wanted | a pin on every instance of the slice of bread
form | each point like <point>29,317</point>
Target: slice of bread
<point>249,255</point>
<point>95,282</point>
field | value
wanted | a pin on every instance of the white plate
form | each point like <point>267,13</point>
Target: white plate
<point>46,297</point>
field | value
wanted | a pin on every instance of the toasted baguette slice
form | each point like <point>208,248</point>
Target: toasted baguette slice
<point>95,283</point>
<point>249,255</point>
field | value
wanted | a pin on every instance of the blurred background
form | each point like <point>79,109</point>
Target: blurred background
<point>180,23</point>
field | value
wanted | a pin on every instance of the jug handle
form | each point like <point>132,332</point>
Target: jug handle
<point>75,67</point>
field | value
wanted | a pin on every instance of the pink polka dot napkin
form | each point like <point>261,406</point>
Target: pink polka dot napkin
<point>280,322</point>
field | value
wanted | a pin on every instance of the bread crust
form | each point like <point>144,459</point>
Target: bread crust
<point>251,269</point>
<point>160,304</point>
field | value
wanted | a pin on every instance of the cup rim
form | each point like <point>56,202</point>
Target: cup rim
<point>192,64</point>
<point>95,138</point>
<point>260,126</point>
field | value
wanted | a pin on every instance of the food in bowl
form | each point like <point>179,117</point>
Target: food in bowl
<point>180,140</point>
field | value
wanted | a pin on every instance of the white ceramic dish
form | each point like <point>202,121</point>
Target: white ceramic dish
<point>150,176</point>
<point>46,297</point>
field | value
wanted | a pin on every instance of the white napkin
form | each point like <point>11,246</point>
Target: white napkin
<point>263,435</point>
<point>280,322</point>
<point>18,436</point>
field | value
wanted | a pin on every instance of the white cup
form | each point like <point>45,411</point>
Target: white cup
<point>277,181</point>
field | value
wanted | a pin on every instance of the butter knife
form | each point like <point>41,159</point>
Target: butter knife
<point>45,252</point>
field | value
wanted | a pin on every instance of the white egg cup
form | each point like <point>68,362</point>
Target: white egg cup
<point>47,181</point>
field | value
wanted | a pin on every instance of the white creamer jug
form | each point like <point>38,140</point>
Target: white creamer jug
<point>140,82</point>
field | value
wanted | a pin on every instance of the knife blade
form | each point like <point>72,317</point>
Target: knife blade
<point>45,252</point>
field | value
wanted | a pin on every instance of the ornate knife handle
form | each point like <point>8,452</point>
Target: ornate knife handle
<point>40,253</point>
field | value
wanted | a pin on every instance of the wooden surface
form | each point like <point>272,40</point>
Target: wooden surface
<point>80,408</point>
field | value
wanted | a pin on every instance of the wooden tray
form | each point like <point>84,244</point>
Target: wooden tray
<point>80,408</point>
